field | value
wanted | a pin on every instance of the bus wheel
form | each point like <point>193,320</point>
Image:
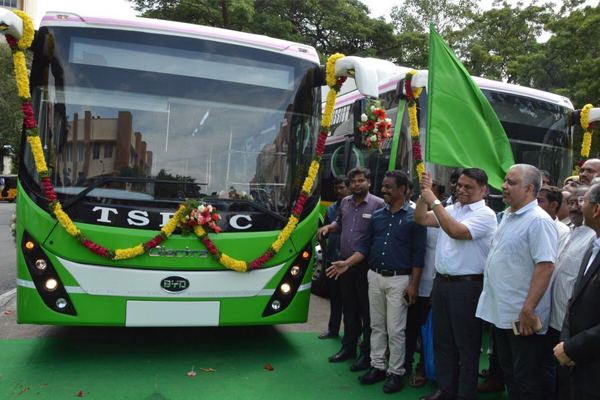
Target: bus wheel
<point>320,284</point>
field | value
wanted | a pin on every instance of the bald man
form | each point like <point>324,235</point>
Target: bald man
<point>589,170</point>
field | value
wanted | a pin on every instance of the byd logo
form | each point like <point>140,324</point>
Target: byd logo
<point>174,284</point>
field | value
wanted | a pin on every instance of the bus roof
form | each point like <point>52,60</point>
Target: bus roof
<point>349,93</point>
<point>139,24</point>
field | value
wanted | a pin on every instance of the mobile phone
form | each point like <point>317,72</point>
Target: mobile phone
<point>406,299</point>
<point>516,325</point>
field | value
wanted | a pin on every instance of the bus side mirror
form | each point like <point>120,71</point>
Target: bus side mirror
<point>358,109</point>
<point>319,77</point>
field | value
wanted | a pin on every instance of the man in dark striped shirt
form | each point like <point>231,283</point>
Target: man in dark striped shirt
<point>395,249</point>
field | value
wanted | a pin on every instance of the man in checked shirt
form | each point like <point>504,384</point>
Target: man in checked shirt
<point>395,249</point>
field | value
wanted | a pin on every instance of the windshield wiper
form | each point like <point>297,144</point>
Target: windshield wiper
<point>106,179</point>
<point>251,204</point>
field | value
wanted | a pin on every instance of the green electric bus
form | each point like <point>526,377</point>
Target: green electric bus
<point>135,116</point>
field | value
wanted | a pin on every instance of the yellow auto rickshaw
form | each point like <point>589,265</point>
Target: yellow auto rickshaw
<point>8,187</point>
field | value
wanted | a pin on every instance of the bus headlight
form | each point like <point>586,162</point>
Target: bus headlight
<point>61,303</point>
<point>41,264</point>
<point>51,284</point>
<point>295,271</point>
<point>285,288</point>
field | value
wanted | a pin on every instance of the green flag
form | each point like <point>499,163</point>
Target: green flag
<point>462,128</point>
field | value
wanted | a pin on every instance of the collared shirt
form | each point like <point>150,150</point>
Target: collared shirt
<point>333,241</point>
<point>523,239</point>
<point>566,270</point>
<point>595,249</point>
<point>394,241</point>
<point>466,257</point>
<point>353,220</point>
<point>428,274</point>
<point>563,233</point>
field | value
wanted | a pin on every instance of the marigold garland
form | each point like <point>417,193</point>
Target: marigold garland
<point>412,95</point>
<point>589,129</point>
<point>33,138</point>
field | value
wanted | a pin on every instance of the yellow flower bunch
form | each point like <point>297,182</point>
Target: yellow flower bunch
<point>420,169</point>
<point>236,265</point>
<point>21,75</point>
<point>585,116</point>
<point>38,153</point>
<point>587,144</point>
<point>65,221</point>
<point>310,179</point>
<point>285,233</point>
<point>124,254</point>
<point>28,30</point>
<point>330,69</point>
<point>172,224</point>
<point>329,105</point>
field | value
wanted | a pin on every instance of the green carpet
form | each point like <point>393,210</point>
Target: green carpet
<point>153,364</point>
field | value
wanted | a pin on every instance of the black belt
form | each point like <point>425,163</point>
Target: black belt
<point>459,278</point>
<point>392,272</point>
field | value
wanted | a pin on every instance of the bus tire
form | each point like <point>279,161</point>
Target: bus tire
<point>320,283</point>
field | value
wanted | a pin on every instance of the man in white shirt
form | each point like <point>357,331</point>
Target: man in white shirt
<point>550,200</point>
<point>467,227</point>
<point>516,291</point>
<point>567,268</point>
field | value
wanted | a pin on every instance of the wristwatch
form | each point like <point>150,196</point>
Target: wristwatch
<point>436,202</point>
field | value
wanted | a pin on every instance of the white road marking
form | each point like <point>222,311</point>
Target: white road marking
<point>8,294</point>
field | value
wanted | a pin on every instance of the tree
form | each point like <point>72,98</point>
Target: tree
<point>328,25</point>
<point>500,43</point>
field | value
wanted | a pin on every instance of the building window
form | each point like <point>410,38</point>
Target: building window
<point>70,152</point>
<point>96,151</point>
<point>108,150</point>
<point>9,3</point>
<point>80,152</point>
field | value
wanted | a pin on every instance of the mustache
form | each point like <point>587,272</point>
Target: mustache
<point>578,212</point>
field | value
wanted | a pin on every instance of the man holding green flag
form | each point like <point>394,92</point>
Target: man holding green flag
<point>462,131</point>
<point>462,128</point>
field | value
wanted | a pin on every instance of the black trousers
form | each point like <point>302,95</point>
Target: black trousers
<point>494,370</point>
<point>355,300</point>
<point>335,306</point>
<point>521,359</point>
<point>417,316</point>
<point>456,337</point>
<point>563,373</point>
<point>579,395</point>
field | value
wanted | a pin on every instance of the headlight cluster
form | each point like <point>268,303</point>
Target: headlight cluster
<point>45,278</point>
<point>289,284</point>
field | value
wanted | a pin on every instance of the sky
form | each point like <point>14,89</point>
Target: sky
<point>125,9</point>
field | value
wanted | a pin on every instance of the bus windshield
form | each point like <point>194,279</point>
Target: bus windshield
<point>538,131</point>
<point>159,119</point>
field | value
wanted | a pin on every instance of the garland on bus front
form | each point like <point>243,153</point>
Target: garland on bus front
<point>589,129</point>
<point>179,218</point>
<point>411,97</point>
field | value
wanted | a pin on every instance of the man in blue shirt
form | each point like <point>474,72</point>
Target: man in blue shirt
<point>395,249</point>
<point>341,189</point>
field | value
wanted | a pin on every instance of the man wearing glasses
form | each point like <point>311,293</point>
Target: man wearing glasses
<point>567,267</point>
<point>580,334</point>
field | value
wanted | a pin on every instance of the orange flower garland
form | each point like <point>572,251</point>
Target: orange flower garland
<point>33,138</point>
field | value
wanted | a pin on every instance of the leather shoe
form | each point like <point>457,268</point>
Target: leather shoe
<point>328,335</point>
<point>343,355</point>
<point>373,376</point>
<point>490,385</point>
<point>438,395</point>
<point>394,384</point>
<point>361,364</point>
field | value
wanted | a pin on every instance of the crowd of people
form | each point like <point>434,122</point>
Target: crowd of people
<point>528,274</point>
